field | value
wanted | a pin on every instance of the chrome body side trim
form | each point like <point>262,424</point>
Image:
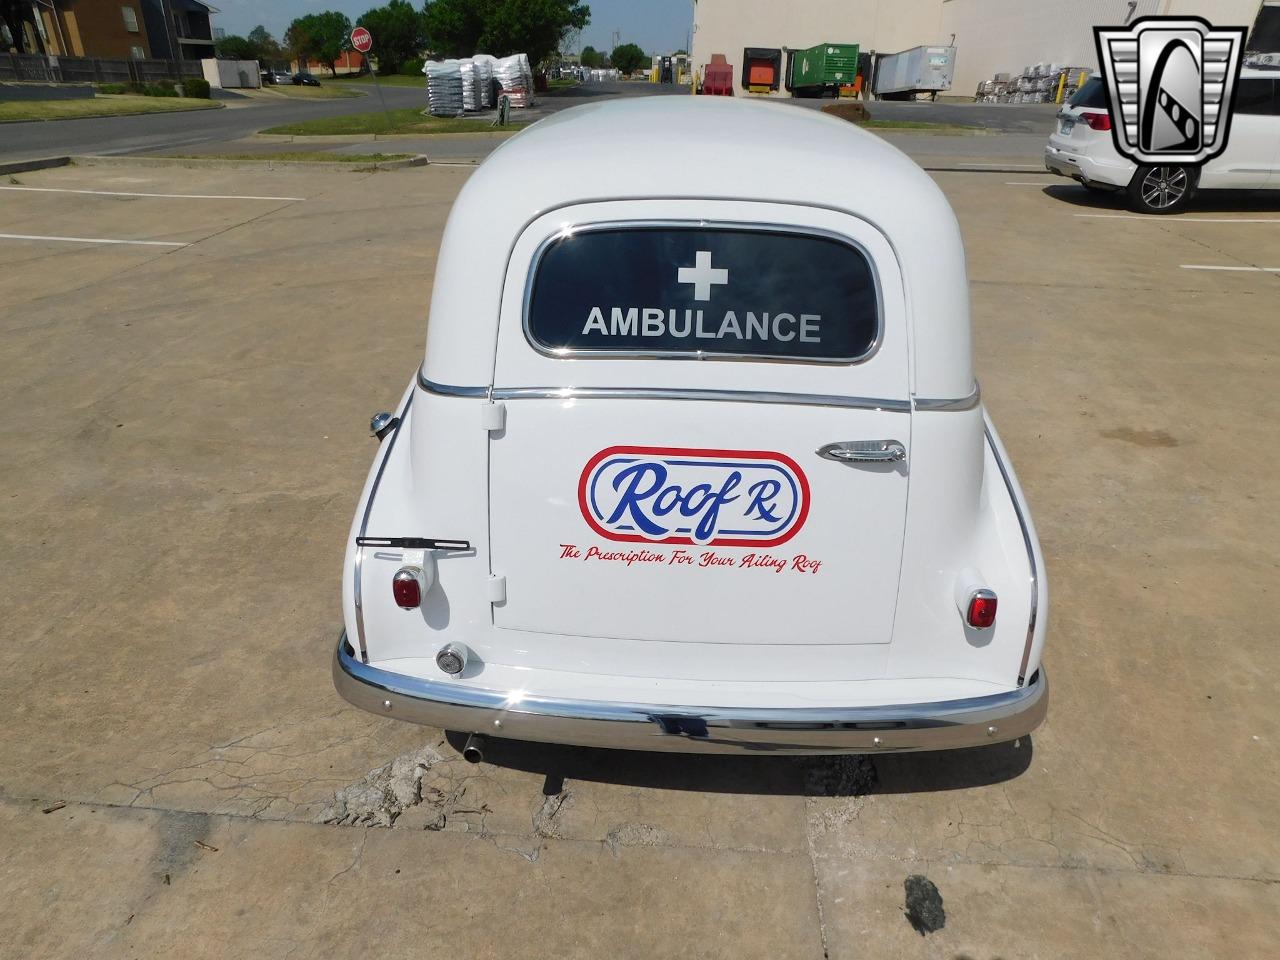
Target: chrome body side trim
<point>663,393</point>
<point>666,393</point>
<point>385,448</point>
<point>904,727</point>
<point>1031,557</point>
<point>959,403</point>
<point>569,230</point>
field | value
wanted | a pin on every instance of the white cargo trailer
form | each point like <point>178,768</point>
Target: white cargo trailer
<point>901,76</point>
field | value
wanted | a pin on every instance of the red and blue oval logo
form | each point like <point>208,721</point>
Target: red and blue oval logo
<point>730,498</point>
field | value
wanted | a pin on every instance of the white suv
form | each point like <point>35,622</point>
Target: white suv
<point>1082,148</point>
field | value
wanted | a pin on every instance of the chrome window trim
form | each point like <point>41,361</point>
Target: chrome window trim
<point>668,393</point>
<point>568,230</point>
<point>385,449</point>
<point>1031,557</point>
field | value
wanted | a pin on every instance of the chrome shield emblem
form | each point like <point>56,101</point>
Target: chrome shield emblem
<point>1170,81</point>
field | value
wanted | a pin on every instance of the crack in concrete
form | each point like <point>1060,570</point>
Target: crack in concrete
<point>544,818</point>
<point>835,789</point>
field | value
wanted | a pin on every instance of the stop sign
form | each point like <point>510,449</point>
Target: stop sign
<point>361,39</point>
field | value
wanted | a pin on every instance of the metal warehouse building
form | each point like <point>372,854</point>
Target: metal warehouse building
<point>991,36</point>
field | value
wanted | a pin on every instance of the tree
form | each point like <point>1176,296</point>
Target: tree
<point>258,45</point>
<point>268,48</point>
<point>399,33</point>
<point>236,48</point>
<point>319,36</point>
<point>628,58</point>
<point>502,27</point>
<point>570,41</point>
<point>591,58</point>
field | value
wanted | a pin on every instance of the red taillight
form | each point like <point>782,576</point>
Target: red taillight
<point>982,610</point>
<point>1097,121</point>
<point>406,589</point>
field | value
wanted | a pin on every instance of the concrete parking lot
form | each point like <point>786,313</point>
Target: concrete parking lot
<point>190,358</point>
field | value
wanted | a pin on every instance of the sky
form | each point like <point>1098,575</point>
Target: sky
<point>658,26</point>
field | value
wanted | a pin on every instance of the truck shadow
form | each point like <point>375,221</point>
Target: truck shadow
<point>1208,201</point>
<point>833,775</point>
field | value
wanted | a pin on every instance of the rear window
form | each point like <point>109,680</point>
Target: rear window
<point>1255,95</point>
<point>1092,94</point>
<point>702,292</point>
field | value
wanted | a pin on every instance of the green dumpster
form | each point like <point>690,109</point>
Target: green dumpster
<point>827,66</point>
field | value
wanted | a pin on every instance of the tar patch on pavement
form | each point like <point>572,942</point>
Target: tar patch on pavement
<point>924,905</point>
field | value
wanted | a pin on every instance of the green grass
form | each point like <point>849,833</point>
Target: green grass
<point>103,105</point>
<point>564,84</point>
<point>395,80</point>
<point>407,120</point>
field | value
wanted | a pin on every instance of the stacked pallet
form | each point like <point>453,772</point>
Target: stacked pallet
<point>484,80</point>
<point>470,85</point>
<point>1038,83</point>
<point>444,87</point>
<point>515,76</point>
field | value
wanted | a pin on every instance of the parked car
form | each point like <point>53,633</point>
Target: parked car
<point>1082,147</point>
<point>280,76</point>
<point>699,463</point>
<point>305,80</point>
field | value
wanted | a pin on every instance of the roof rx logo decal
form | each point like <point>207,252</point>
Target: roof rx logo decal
<point>737,498</point>
<point>1170,81</point>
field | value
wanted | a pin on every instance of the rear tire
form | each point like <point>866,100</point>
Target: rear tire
<point>1162,189</point>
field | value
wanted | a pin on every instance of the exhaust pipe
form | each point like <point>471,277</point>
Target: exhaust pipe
<point>473,752</point>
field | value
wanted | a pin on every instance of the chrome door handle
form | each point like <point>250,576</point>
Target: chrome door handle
<point>864,451</point>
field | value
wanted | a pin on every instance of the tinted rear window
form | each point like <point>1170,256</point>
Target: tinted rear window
<point>703,292</point>
<point>1092,94</point>
<point>1256,96</point>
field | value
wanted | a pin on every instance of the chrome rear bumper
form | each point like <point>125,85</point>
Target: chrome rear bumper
<point>594,723</point>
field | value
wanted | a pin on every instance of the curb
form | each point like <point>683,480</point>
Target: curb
<point>197,163</point>
<point>26,166</point>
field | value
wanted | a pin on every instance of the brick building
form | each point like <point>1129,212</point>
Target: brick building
<point>81,28</point>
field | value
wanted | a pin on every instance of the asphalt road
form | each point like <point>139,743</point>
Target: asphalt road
<point>242,117</point>
<point>109,135</point>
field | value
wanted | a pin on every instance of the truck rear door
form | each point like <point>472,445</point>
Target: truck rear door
<point>707,426</point>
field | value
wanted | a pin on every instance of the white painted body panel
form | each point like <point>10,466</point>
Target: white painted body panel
<point>1251,160</point>
<point>877,625</point>
<point>700,592</point>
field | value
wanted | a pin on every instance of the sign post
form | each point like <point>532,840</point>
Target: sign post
<point>362,40</point>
